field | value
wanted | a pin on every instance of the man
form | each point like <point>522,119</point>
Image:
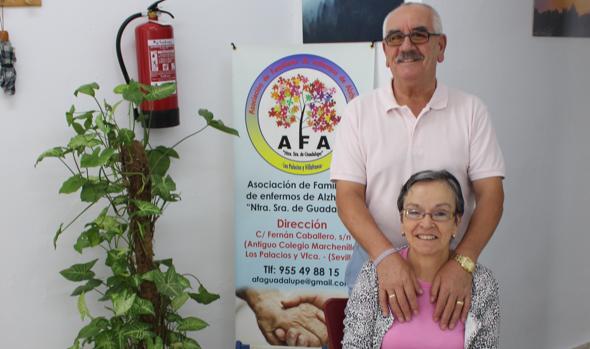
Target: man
<point>415,124</point>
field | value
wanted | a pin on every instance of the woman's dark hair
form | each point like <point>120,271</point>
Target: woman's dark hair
<point>429,176</point>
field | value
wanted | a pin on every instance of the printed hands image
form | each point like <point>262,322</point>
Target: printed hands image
<point>296,320</point>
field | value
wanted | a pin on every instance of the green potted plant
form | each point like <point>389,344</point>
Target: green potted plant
<point>128,180</point>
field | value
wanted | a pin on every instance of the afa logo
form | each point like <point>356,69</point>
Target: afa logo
<point>293,108</point>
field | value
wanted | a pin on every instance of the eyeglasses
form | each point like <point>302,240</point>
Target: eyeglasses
<point>416,37</point>
<point>436,215</point>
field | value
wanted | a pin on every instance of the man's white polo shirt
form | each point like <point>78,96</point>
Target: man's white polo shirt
<point>380,144</point>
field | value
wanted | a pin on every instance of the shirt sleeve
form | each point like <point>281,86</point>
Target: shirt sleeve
<point>485,156</point>
<point>348,160</point>
<point>361,311</point>
<point>488,310</point>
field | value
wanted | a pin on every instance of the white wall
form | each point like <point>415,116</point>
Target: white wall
<point>536,88</point>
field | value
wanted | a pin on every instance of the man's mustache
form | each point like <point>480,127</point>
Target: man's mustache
<point>409,55</point>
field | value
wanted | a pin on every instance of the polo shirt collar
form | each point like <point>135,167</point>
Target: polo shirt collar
<point>439,99</point>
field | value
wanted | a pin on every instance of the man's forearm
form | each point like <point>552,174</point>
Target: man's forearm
<point>355,215</point>
<point>486,216</point>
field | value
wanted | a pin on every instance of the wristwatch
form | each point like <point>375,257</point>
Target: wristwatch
<point>465,262</point>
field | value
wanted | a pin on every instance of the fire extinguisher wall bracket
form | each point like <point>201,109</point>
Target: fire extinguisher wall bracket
<point>156,65</point>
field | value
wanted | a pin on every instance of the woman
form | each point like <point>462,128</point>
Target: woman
<point>431,207</point>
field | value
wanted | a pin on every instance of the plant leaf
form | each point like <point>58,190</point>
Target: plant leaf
<point>191,324</point>
<point>183,281</point>
<point>217,124</point>
<point>126,136</point>
<point>168,283</point>
<point>179,301</point>
<point>89,286</point>
<point>156,343</point>
<point>137,330</point>
<point>159,160</point>
<point>100,123</point>
<point>114,188</point>
<point>175,338</point>
<point>93,328</point>
<point>166,151</point>
<point>180,341</point>
<point>167,262</point>
<point>82,308</point>
<point>88,89</point>
<point>81,141</point>
<point>72,184</point>
<point>146,208</point>
<point>117,260</point>
<point>107,222</point>
<point>204,297</point>
<point>89,238</point>
<point>122,302</point>
<point>57,234</point>
<point>125,282</point>
<point>70,115</point>
<point>119,89</point>
<point>78,128</point>
<point>131,92</point>
<point>79,272</point>
<point>173,317</point>
<point>190,343</point>
<point>142,307</point>
<point>206,114</point>
<point>105,156</point>
<point>149,275</point>
<point>55,152</point>
<point>109,225</point>
<point>161,91</point>
<point>141,230</point>
<point>93,191</point>
<point>164,188</point>
<point>90,160</point>
<point>86,117</point>
<point>106,340</point>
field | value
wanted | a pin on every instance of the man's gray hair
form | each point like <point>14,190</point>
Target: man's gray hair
<point>436,21</point>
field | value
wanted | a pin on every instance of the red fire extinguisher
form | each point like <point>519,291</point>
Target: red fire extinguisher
<point>156,64</point>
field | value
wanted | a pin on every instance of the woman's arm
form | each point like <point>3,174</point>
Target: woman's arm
<point>361,311</point>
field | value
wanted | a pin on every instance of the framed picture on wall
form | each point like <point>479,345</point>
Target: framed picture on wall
<point>561,18</point>
<point>345,20</point>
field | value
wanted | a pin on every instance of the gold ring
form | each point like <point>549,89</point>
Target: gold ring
<point>460,302</point>
<point>392,296</point>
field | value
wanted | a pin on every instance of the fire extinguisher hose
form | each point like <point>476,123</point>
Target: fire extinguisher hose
<point>118,43</point>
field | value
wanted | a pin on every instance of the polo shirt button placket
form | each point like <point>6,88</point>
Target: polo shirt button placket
<point>413,121</point>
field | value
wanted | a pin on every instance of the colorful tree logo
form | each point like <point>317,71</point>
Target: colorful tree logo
<point>292,110</point>
<point>311,104</point>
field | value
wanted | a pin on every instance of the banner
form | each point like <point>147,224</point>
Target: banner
<point>291,248</point>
